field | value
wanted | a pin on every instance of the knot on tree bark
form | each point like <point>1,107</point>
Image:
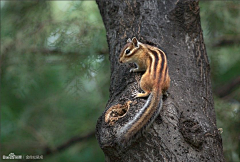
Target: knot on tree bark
<point>195,128</point>
<point>192,132</point>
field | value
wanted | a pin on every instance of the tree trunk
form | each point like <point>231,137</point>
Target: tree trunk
<point>186,128</point>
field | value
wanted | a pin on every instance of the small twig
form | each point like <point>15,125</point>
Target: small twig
<point>56,51</point>
<point>224,90</point>
<point>67,144</point>
<point>227,40</point>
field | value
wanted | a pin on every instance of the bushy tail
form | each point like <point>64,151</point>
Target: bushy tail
<point>141,121</point>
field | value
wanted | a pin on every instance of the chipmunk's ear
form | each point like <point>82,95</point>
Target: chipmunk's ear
<point>129,40</point>
<point>135,41</point>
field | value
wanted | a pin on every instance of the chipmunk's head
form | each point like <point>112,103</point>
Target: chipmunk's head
<point>130,51</point>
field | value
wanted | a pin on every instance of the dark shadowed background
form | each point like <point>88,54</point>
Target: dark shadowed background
<point>55,76</point>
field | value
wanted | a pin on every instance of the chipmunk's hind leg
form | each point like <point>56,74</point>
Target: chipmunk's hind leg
<point>146,86</point>
<point>145,94</point>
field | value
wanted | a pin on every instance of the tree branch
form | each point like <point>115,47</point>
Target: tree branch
<point>223,91</point>
<point>68,143</point>
<point>56,51</point>
<point>225,41</point>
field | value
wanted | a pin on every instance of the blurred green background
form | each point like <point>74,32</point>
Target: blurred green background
<point>55,76</point>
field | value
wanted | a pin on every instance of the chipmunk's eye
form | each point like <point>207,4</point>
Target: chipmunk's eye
<point>127,51</point>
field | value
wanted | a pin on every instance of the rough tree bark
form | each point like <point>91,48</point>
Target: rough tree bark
<point>186,127</point>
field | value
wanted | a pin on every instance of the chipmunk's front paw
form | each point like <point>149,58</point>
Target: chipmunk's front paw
<point>133,70</point>
<point>165,93</point>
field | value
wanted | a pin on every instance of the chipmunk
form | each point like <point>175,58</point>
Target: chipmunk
<point>154,82</point>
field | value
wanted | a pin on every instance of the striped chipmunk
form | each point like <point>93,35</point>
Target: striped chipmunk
<point>154,82</point>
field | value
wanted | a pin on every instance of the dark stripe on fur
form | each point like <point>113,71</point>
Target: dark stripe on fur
<point>151,61</point>
<point>156,62</point>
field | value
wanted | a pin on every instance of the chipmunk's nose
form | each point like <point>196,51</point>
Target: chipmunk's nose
<point>120,60</point>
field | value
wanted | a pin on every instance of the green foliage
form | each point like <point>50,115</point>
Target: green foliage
<point>228,119</point>
<point>220,22</point>
<point>55,75</point>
